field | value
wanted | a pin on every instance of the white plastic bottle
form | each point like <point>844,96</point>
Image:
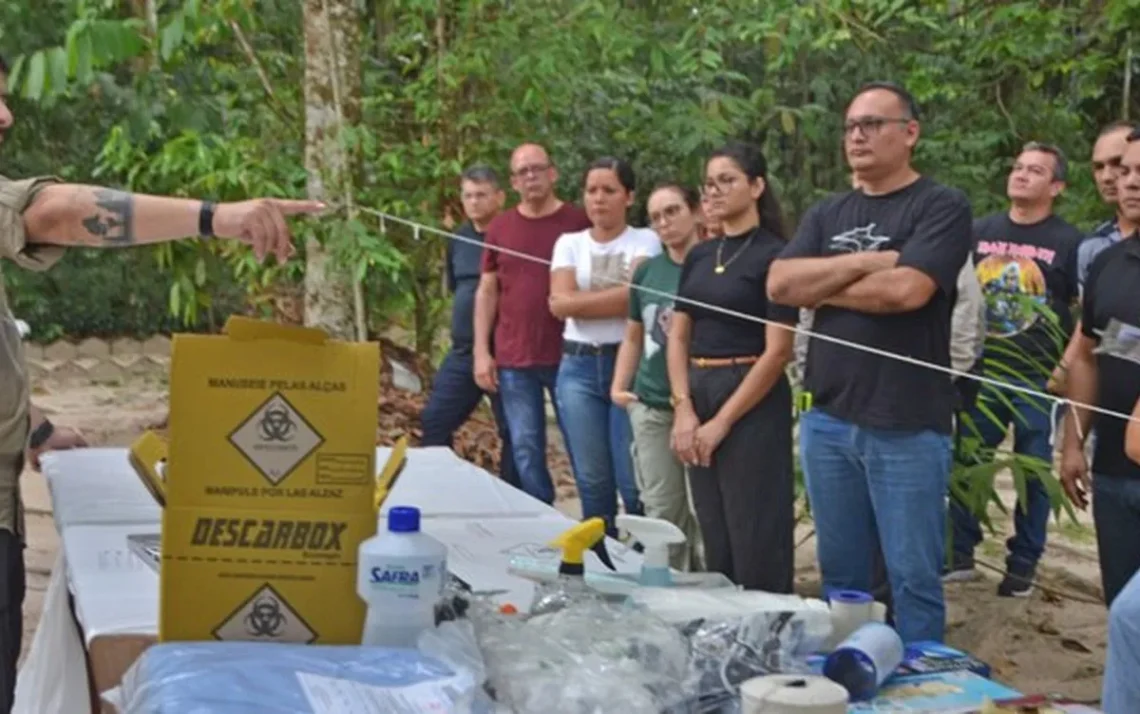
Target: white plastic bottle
<point>400,578</point>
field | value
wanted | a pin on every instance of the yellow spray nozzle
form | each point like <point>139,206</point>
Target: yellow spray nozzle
<point>576,540</point>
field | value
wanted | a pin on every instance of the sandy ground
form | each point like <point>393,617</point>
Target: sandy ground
<point>1051,642</point>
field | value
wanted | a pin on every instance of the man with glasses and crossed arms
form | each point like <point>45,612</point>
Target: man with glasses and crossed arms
<point>880,266</point>
<point>511,314</point>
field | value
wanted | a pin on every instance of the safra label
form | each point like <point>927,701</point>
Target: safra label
<point>406,582</point>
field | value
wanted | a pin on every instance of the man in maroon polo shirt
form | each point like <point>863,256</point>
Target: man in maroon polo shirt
<point>511,314</point>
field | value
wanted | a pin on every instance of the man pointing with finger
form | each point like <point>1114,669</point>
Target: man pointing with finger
<point>39,218</point>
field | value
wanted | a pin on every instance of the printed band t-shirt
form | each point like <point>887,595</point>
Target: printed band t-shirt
<point>1026,270</point>
<point>930,225</point>
<point>741,287</point>
<point>654,311</point>
<point>1110,315</point>
<point>526,334</point>
<point>600,266</point>
<point>464,260</point>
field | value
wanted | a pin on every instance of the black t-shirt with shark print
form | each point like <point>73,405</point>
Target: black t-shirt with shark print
<point>930,225</point>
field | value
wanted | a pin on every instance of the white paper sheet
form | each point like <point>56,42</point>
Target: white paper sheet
<point>331,695</point>
<point>114,591</point>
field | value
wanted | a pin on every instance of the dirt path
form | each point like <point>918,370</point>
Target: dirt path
<point>1044,643</point>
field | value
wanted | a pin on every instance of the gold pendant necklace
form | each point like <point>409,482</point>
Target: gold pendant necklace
<point>721,267</point>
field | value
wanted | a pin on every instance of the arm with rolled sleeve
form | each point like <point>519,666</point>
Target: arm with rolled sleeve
<point>968,321</point>
<point>930,260</point>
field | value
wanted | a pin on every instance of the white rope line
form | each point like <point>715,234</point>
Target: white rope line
<point>420,227</point>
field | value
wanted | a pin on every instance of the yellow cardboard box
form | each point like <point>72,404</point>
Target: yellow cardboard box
<point>269,486</point>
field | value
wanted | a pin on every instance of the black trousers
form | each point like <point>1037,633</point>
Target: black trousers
<point>12,589</point>
<point>744,499</point>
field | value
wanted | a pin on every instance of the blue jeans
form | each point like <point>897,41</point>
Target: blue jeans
<point>454,395</point>
<point>598,436</point>
<point>521,390</point>
<point>869,487</point>
<point>1032,424</point>
<point>1116,515</point>
<point>1121,693</point>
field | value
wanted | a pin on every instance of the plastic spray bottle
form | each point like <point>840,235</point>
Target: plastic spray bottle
<point>571,583</point>
<point>655,535</point>
<point>400,578</point>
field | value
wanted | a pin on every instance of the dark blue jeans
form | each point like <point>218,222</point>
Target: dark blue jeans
<point>598,436</point>
<point>869,487</point>
<point>454,395</point>
<point>521,390</point>
<point>1116,515</point>
<point>1032,424</point>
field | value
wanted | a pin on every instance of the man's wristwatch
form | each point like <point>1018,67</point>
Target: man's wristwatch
<point>676,400</point>
<point>41,434</point>
<point>206,219</point>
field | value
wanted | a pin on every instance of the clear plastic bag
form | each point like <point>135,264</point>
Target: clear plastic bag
<point>591,657</point>
<point>240,677</point>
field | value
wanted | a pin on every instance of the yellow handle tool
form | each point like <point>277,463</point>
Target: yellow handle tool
<point>575,541</point>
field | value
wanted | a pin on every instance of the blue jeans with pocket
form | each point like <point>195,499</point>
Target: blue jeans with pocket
<point>1032,423</point>
<point>873,486</point>
<point>598,435</point>
<point>454,395</point>
<point>522,391</point>
<point>1121,687</point>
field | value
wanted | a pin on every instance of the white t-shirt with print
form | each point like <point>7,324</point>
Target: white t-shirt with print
<point>596,265</point>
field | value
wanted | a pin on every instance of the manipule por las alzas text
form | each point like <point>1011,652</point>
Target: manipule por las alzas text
<point>269,486</point>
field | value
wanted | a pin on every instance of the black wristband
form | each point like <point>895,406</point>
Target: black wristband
<point>41,434</point>
<point>206,219</point>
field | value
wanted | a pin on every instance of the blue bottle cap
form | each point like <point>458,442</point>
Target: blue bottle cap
<point>851,597</point>
<point>404,519</point>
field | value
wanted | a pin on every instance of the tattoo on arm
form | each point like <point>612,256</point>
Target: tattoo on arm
<point>113,223</point>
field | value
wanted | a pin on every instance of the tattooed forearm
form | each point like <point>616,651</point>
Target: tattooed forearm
<point>112,223</point>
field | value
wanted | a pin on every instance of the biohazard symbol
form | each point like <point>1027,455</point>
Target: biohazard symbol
<point>276,424</point>
<point>265,618</point>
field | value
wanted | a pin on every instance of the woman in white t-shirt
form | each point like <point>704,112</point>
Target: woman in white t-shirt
<point>589,289</point>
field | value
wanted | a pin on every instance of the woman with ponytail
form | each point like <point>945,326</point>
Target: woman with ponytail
<point>732,400</point>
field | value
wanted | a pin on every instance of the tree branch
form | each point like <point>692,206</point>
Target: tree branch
<point>250,55</point>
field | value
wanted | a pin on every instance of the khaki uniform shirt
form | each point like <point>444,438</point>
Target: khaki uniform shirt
<point>15,196</point>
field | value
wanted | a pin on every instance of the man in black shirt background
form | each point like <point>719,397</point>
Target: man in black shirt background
<point>454,393</point>
<point>880,265</point>
<point>1105,370</point>
<point>1026,261</point>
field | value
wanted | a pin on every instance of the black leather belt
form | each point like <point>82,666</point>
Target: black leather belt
<point>577,349</point>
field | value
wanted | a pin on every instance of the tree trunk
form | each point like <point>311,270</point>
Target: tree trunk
<point>332,104</point>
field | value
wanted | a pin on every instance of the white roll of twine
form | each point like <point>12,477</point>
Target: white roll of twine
<point>792,694</point>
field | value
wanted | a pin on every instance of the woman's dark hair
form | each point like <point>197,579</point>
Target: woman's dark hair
<point>751,161</point>
<point>621,169</point>
<point>688,194</point>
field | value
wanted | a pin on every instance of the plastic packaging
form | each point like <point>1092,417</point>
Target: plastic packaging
<point>863,661</point>
<point>401,576</point>
<point>656,535</point>
<point>590,657</point>
<point>241,677</point>
<point>735,635</point>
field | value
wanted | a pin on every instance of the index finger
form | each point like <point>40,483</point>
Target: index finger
<point>291,207</point>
